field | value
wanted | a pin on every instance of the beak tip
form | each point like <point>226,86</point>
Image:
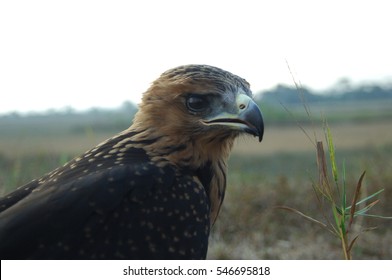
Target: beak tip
<point>261,134</point>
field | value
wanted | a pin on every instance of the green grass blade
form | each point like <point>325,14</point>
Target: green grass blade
<point>369,197</point>
<point>331,149</point>
<point>366,199</point>
<point>344,196</point>
<point>376,216</point>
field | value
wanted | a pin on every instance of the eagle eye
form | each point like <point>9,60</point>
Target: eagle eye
<point>196,103</point>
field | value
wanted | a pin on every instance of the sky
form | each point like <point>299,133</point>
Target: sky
<point>83,54</point>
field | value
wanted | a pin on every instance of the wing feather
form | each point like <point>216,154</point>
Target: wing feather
<point>64,206</point>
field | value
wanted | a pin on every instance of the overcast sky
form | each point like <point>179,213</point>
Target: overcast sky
<point>84,53</point>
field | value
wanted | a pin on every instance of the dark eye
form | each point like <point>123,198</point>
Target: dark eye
<point>196,103</point>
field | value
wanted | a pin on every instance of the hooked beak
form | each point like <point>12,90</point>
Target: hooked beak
<point>248,118</point>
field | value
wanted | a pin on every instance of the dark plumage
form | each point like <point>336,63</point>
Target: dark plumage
<point>151,192</point>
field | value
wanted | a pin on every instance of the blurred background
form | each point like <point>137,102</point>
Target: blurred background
<point>72,74</point>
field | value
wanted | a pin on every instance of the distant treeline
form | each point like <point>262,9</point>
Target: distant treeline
<point>281,94</point>
<point>343,92</point>
<point>68,120</point>
<point>126,110</point>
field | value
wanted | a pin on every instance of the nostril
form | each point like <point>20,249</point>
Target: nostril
<point>242,106</point>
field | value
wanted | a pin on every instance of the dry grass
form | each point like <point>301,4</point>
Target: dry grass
<point>287,139</point>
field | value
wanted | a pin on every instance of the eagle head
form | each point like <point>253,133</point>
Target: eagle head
<point>202,106</point>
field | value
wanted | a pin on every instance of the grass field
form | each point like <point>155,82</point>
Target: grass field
<point>278,171</point>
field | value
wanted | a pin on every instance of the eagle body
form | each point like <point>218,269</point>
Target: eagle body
<point>151,192</point>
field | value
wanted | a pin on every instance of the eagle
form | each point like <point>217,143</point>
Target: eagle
<point>153,191</point>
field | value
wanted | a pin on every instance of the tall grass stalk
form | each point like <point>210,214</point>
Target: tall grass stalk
<point>331,190</point>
